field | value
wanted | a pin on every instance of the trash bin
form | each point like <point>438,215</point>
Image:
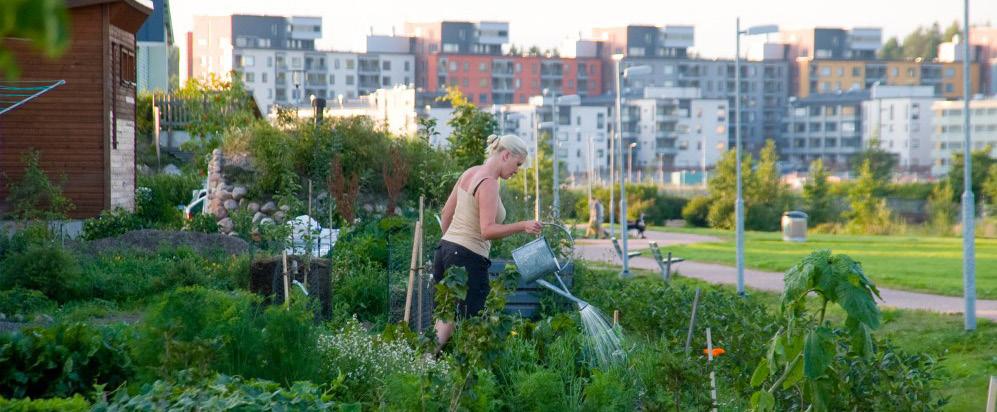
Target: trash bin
<point>794,226</point>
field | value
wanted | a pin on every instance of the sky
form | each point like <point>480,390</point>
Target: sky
<point>548,23</point>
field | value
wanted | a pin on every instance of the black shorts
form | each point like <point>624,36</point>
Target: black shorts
<point>451,254</point>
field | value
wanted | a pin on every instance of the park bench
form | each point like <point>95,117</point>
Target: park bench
<point>619,250</point>
<point>665,264</point>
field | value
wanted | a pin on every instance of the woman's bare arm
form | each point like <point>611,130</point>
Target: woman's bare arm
<point>449,208</point>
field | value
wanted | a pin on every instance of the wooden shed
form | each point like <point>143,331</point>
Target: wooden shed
<point>85,128</point>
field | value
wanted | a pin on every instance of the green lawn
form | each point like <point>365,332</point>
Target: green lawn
<point>924,264</point>
<point>967,359</point>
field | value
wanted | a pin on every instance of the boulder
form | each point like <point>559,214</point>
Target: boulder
<point>266,221</point>
<point>239,192</point>
<point>278,217</point>
<point>226,225</point>
<point>269,207</point>
<point>253,207</point>
<point>231,205</point>
<point>285,208</point>
<point>258,217</point>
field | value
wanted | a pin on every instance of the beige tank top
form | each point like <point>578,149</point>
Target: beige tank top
<point>465,228</point>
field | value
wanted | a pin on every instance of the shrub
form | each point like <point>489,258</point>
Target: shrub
<point>49,269</point>
<point>111,223</point>
<point>24,302</point>
<point>62,360</point>
<point>538,391</point>
<point>203,223</point>
<point>222,392</point>
<point>158,196</point>
<point>696,210</point>
<point>31,234</point>
<point>365,361</point>
<point>74,404</point>
<point>34,196</point>
<point>200,328</point>
<point>610,391</point>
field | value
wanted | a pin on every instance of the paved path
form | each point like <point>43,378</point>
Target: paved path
<point>602,251</point>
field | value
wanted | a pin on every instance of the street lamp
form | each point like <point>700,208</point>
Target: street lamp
<point>739,202</point>
<point>570,100</point>
<point>627,73</point>
<point>630,162</point>
<point>968,209</point>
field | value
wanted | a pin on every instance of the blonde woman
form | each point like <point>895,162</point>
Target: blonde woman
<point>472,217</point>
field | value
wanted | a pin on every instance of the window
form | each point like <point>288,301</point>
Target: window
<point>910,72</point>
<point>856,71</point>
<point>466,67</point>
<point>949,73</point>
<point>407,68</point>
<point>263,77</point>
<point>841,71</point>
<point>464,82</point>
<point>825,71</point>
<point>453,66</point>
<point>332,79</point>
<point>349,79</point>
<point>335,64</point>
<point>296,62</point>
<point>269,61</point>
<point>949,88</point>
<point>249,77</point>
<point>407,80</point>
<point>482,67</point>
<point>848,127</point>
<point>831,126</point>
<point>386,65</point>
<point>896,72</point>
<point>126,67</point>
<point>350,64</point>
<point>386,81</point>
<point>600,121</point>
<point>815,126</point>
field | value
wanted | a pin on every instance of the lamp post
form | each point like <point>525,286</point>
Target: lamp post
<point>571,99</point>
<point>627,73</point>
<point>630,162</point>
<point>968,209</point>
<point>739,202</point>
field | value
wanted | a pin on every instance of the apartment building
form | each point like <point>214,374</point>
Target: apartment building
<point>157,59</point>
<point>829,76</point>
<point>949,135</point>
<point>277,60</point>
<point>582,132</point>
<point>899,120</point>
<point>823,126</point>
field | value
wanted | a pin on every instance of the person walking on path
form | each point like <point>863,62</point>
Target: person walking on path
<point>471,218</point>
<point>595,220</point>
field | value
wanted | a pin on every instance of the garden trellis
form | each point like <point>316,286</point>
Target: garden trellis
<point>17,93</point>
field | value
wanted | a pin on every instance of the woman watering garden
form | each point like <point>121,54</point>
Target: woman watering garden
<point>472,217</point>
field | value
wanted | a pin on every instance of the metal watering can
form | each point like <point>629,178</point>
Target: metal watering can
<point>536,259</point>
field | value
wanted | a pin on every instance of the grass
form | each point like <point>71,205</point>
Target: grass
<point>923,264</point>
<point>967,359</point>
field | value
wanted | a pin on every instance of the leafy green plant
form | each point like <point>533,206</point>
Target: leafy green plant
<point>75,404</point>
<point>111,223</point>
<point>817,199</point>
<point>471,127</point>
<point>221,392</point>
<point>867,213</point>
<point>62,360</point>
<point>45,23</point>
<point>24,302</point>
<point>34,196</point>
<point>804,349</point>
<point>449,291</point>
<point>49,269</point>
<point>157,198</point>
<point>203,223</point>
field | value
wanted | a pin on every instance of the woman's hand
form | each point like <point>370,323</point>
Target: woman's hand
<point>532,227</point>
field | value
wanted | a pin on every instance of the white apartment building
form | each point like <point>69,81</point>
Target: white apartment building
<point>582,132</point>
<point>899,119</point>
<point>949,136</point>
<point>674,129</point>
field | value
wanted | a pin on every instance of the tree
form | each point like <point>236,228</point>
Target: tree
<point>981,167</point>
<point>882,162</point>
<point>817,199</point>
<point>868,213</point>
<point>766,197</point>
<point>923,42</point>
<point>990,186</point>
<point>891,50</point>
<point>395,173</point>
<point>471,128</point>
<point>941,208</point>
<point>34,196</point>
<point>42,22</point>
<point>534,51</point>
<point>951,31</point>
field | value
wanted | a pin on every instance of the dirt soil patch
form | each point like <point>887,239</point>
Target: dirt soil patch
<point>149,240</point>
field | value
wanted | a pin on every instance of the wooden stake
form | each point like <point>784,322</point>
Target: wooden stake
<point>287,283</point>
<point>713,375</point>
<point>616,317</point>
<point>418,300</point>
<point>992,395</point>
<point>692,321</point>
<point>412,269</point>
